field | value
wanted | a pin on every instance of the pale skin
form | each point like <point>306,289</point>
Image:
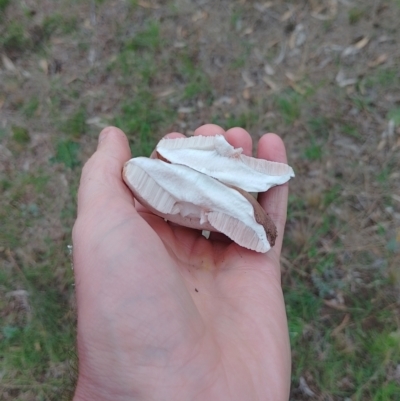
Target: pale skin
<point>165,314</point>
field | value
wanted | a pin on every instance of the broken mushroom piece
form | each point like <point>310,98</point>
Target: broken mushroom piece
<point>203,183</point>
<point>189,198</point>
<point>215,157</point>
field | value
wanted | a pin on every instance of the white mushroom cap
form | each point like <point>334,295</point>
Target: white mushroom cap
<point>215,157</point>
<point>187,197</point>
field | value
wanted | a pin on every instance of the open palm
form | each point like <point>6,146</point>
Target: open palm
<point>165,314</point>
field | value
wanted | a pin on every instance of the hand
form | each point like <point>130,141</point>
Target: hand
<point>165,314</point>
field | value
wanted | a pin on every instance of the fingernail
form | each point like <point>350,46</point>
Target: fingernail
<point>103,135</point>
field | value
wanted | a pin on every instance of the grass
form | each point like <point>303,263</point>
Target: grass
<point>29,108</point>
<point>341,247</point>
<point>355,14</point>
<point>57,23</point>
<point>75,126</point>
<point>394,114</point>
<point>3,5</point>
<point>146,39</point>
<point>196,81</point>
<point>14,39</point>
<point>20,135</point>
<point>288,104</point>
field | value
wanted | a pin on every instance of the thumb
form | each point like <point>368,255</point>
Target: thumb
<point>101,178</point>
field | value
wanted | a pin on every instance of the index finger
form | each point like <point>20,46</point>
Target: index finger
<point>274,201</point>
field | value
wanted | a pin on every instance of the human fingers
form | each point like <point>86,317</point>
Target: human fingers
<point>274,201</point>
<point>171,135</point>
<point>240,138</point>
<point>209,130</point>
<point>237,137</point>
<point>101,177</point>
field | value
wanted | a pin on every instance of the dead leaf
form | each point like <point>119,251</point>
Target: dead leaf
<point>147,4</point>
<point>87,24</point>
<point>224,100</point>
<point>362,43</point>
<point>271,84</point>
<point>297,88</point>
<point>269,70</point>
<point>341,326</point>
<point>8,64</point>
<point>199,15</point>
<point>292,77</point>
<point>334,304</point>
<point>58,41</point>
<point>246,94</point>
<point>304,388</point>
<point>332,10</point>
<point>179,45</point>
<point>44,65</point>
<point>288,14</point>
<point>281,55</point>
<point>342,81</point>
<point>262,7</point>
<point>315,6</point>
<point>97,122</point>
<point>165,92</point>
<point>185,110</point>
<point>381,59</point>
<point>247,31</point>
<point>333,7</point>
<point>248,81</point>
<point>349,51</point>
<point>2,101</point>
<point>381,145</point>
<point>397,198</point>
<point>298,37</point>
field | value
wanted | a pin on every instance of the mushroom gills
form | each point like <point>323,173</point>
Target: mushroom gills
<point>215,157</point>
<point>187,197</point>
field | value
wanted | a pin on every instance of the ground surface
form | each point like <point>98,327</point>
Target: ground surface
<point>323,74</point>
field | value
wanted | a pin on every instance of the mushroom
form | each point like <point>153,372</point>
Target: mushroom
<point>203,183</point>
<point>215,157</point>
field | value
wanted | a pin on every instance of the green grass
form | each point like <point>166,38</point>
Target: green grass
<point>197,83</point>
<point>319,126</point>
<point>57,23</point>
<point>75,126</point>
<point>394,114</point>
<point>67,153</point>
<point>354,15</point>
<point>383,78</point>
<point>141,119</point>
<point>40,338</point>
<point>289,106</point>
<point>240,60</point>
<point>29,108</point>
<point>147,39</point>
<point>36,329</point>
<point>351,131</point>
<point>247,120</point>
<point>314,151</point>
<point>3,5</point>
<point>14,38</point>
<point>20,135</point>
